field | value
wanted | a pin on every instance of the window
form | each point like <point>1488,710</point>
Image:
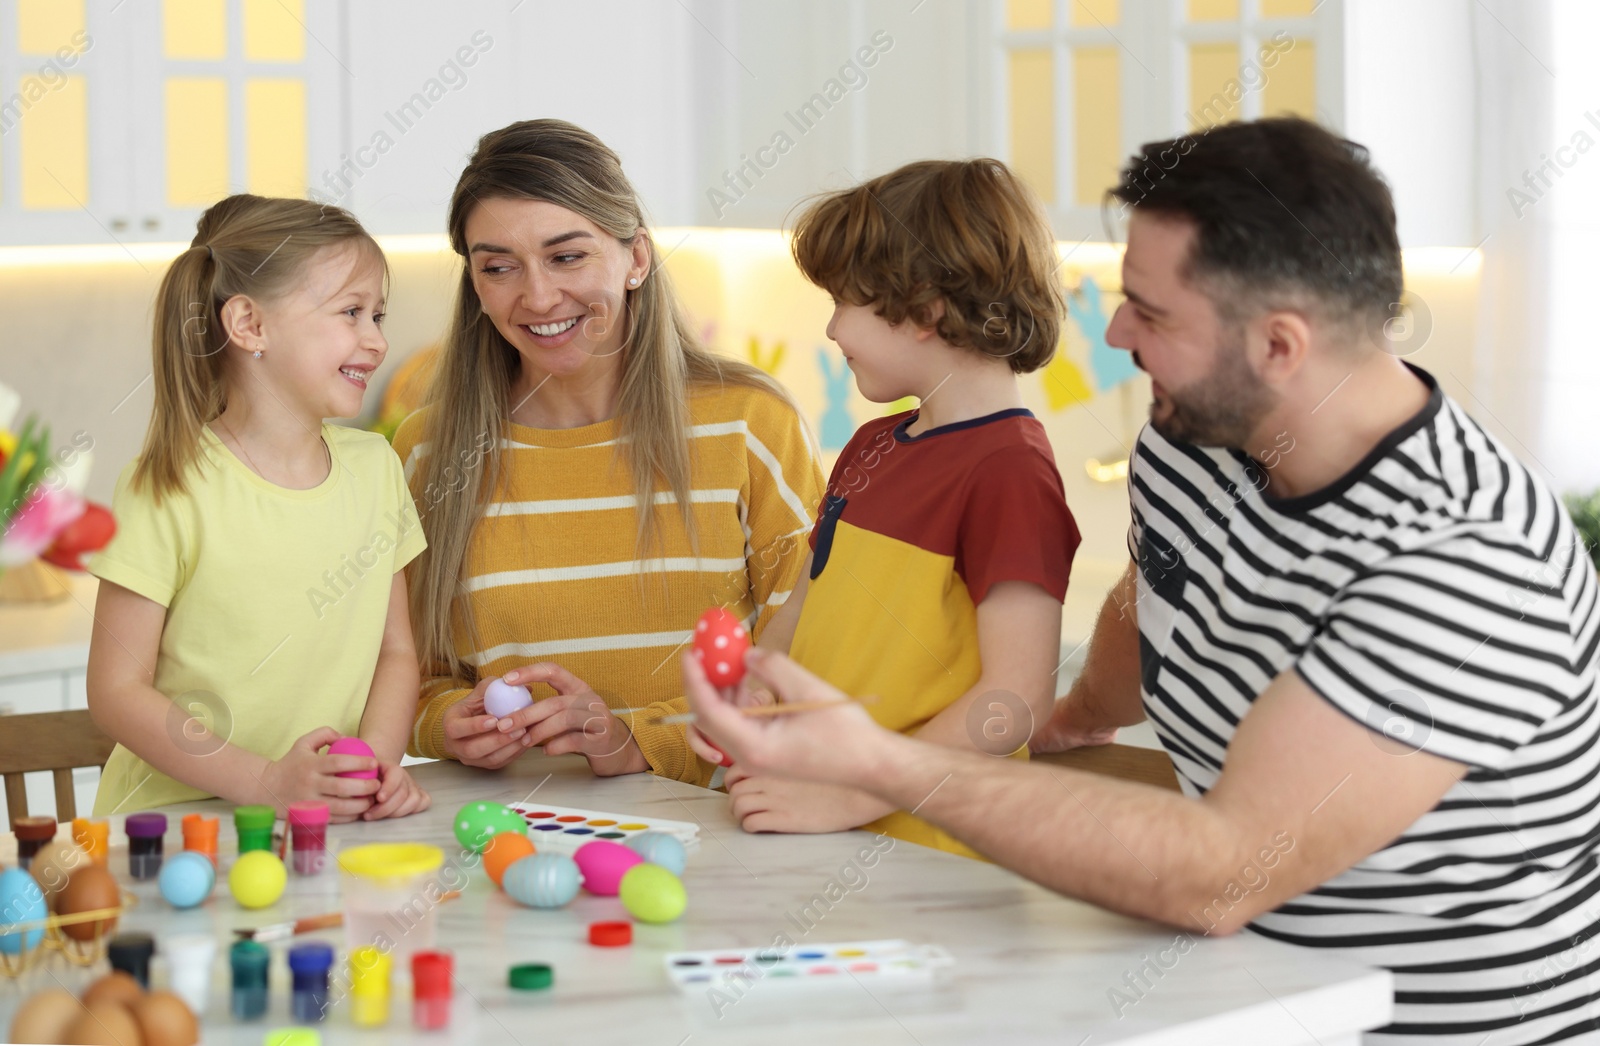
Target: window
<point>44,123</point>
<point>1079,84</point>
<point>233,58</point>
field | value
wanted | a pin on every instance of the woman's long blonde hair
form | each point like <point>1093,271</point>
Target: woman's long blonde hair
<point>556,162</point>
<point>254,245</point>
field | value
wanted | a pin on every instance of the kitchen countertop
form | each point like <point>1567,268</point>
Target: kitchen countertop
<point>49,637</point>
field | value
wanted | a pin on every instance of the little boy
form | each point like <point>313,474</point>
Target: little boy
<point>941,552</point>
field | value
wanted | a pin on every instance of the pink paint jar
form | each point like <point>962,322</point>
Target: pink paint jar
<point>308,836</point>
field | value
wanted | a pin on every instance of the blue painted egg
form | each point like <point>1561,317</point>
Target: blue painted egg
<point>187,878</point>
<point>660,848</point>
<point>21,901</point>
<point>542,880</point>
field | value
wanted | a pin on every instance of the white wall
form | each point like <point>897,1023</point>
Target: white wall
<point>621,70</point>
<point>1410,97</point>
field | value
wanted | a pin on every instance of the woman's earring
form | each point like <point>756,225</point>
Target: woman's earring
<point>257,354</point>
<point>633,281</point>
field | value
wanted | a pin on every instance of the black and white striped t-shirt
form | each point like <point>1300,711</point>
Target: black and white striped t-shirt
<point>1437,593</point>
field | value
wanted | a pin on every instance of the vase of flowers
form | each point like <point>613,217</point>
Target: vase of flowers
<point>44,516</point>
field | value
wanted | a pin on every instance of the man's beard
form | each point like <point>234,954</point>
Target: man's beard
<point>1221,409</point>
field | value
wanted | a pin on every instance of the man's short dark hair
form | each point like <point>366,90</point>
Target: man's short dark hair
<point>1285,214</point>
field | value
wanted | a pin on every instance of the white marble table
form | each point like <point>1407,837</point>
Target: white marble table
<point>1029,965</point>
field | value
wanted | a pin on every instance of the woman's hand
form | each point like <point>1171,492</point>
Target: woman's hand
<point>304,774</point>
<point>576,719</point>
<point>474,738</point>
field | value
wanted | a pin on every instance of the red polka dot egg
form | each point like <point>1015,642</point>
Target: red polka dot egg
<point>720,641</point>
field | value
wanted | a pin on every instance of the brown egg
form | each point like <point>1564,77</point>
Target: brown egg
<point>166,1020</point>
<point>104,1024</point>
<point>44,1017</point>
<point>89,888</point>
<point>116,986</point>
<point>54,864</point>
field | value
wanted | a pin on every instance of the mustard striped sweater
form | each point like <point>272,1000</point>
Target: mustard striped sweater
<point>553,572</point>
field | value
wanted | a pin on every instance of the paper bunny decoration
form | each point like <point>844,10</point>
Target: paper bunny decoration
<point>837,426</point>
<point>1111,366</point>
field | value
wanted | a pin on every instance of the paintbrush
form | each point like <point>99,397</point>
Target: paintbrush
<point>282,931</point>
<point>757,711</point>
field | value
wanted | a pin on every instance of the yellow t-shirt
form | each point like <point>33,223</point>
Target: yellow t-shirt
<point>276,599</point>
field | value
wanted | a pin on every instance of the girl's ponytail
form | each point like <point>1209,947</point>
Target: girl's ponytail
<point>187,362</point>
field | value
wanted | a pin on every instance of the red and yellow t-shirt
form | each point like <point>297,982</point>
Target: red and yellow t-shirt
<point>912,534</point>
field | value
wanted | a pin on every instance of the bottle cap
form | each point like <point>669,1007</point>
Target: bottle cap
<point>311,957</point>
<point>247,818</point>
<point>308,815</point>
<point>93,835</point>
<point>34,829</point>
<point>532,976</point>
<point>430,975</point>
<point>369,971</point>
<point>130,953</point>
<point>249,960</point>
<point>611,935</point>
<point>146,826</point>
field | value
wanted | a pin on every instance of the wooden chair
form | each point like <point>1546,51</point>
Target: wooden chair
<point>55,741</point>
<point>1130,762</point>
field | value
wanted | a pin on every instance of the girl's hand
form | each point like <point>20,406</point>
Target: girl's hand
<point>576,719</point>
<point>474,738</point>
<point>399,795</point>
<point>304,774</point>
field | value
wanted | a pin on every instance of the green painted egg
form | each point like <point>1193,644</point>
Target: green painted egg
<point>477,823</point>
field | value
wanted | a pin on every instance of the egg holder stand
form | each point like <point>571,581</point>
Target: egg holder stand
<point>76,952</point>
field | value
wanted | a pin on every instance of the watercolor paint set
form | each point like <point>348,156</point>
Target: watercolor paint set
<point>562,829</point>
<point>876,963</point>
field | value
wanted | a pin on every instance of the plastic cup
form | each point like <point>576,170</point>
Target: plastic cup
<point>390,892</point>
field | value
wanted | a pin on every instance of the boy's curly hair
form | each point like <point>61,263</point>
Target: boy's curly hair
<point>968,233</point>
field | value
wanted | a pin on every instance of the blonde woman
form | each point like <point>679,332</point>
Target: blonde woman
<point>589,477</point>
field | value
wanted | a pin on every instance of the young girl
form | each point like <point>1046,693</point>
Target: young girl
<point>252,607</point>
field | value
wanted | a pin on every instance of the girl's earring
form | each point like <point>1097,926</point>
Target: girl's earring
<point>257,354</point>
<point>633,281</point>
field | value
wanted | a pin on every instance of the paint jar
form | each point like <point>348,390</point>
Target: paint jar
<point>369,987</point>
<point>309,963</point>
<point>200,835</point>
<point>308,827</point>
<point>32,833</point>
<point>389,891</point>
<point>130,953</point>
<point>431,973</point>
<point>254,825</point>
<point>189,966</point>
<point>249,961</point>
<point>94,836</point>
<point>146,834</point>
